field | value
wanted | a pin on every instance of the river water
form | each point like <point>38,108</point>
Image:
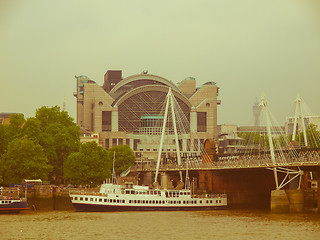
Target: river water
<point>222,224</point>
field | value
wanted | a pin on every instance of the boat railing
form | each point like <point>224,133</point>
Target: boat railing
<point>222,195</point>
<point>94,192</point>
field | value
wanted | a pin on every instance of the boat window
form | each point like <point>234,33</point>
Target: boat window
<point>123,201</point>
<point>201,201</point>
<point>132,192</point>
<point>219,201</point>
<point>144,193</point>
<point>156,201</point>
<point>129,201</point>
<point>91,199</point>
<point>210,201</point>
<point>207,201</point>
<point>81,199</point>
<point>100,200</point>
<point>86,199</point>
<point>216,201</point>
<point>105,200</point>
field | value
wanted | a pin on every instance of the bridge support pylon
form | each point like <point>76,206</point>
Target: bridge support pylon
<point>285,201</point>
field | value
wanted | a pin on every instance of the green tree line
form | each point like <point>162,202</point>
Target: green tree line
<point>48,147</point>
<point>255,138</point>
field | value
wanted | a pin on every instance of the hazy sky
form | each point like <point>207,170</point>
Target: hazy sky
<point>246,46</point>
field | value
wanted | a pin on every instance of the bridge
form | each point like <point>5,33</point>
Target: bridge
<point>288,162</point>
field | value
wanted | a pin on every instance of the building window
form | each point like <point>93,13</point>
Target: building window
<point>106,120</point>
<point>128,141</point>
<point>107,143</point>
<point>120,141</point>
<point>201,121</point>
<point>92,122</point>
<point>114,142</point>
<point>135,144</point>
<point>188,145</point>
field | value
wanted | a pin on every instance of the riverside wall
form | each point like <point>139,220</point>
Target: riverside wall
<point>48,198</point>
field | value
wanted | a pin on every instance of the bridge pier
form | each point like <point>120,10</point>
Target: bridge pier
<point>205,181</point>
<point>279,202</point>
<point>285,201</point>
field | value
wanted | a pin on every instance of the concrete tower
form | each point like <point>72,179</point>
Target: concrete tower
<point>256,113</point>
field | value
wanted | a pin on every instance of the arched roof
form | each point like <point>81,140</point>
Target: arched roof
<point>146,88</point>
<point>138,77</point>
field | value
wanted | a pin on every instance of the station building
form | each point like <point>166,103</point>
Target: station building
<point>124,110</point>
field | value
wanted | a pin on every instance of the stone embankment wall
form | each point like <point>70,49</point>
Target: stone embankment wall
<point>48,198</point>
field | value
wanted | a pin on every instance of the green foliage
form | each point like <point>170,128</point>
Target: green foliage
<point>124,158</point>
<point>59,136</point>
<point>313,136</point>
<point>90,166</point>
<point>24,158</point>
<point>52,129</point>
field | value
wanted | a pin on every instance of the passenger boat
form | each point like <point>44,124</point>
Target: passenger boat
<point>129,197</point>
<point>10,202</point>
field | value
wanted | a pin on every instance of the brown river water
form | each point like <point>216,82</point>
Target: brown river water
<point>222,224</point>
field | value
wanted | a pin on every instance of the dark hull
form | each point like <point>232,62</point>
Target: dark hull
<point>13,207</point>
<point>80,207</point>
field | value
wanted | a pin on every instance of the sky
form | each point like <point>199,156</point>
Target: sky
<point>247,47</point>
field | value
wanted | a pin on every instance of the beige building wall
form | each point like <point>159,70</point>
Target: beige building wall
<point>94,100</point>
<point>205,100</point>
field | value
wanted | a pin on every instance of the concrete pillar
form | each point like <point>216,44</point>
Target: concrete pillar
<point>193,120</point>
<point>296,200</point>
<point>209,182</point>
<point>114,120</point>
<point>147,178</point>
<point>202,181</point>
<point>279,201</point>
<point>164,181</point>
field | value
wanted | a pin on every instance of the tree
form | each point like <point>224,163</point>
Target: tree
<point>11,131</point>
<point>25,158</point>
<point>124,157</point>
<point>313,136</point>
<point>59,136</point>
<point>90,166</point>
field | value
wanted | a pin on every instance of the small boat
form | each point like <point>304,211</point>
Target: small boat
<point>129,197</point>
<point>10,201</point>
